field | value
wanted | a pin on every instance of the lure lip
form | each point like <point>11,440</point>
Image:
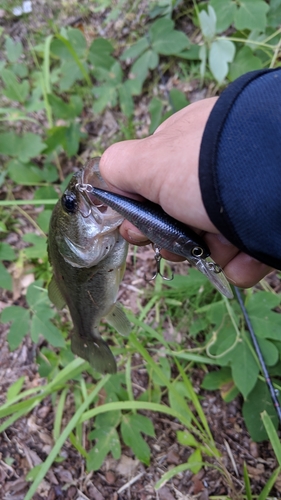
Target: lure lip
<point>187,243</point>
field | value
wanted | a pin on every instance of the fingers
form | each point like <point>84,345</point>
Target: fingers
<point>245,271</point>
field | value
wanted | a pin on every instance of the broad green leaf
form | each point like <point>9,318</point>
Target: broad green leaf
<point>35,295</point>
<point>13,49</point>
<point>132,426</point>
<point>8,143</point>
<point>148,60</point>
<point>6,282</point>
<point>100,53</point>
<point>46,193</point>
<point>177,100</point>
<point>161,27</point>
<point>58,49</point>
<point>107,441</point>
<point>214,380</point>
<point>31,145</point>
<point>24,174</point>
<point>197,326</point>
<point>269,351</point>
<point>251,15</point>
<point>14,90</point>
<point>178,394</point>
<point>266,323</point>
<point>171,43</point>
<point>165,367</point>
<point>114,388</point>
<point>189,284</point>
<point>20,319</point>
<point>76,57</point>
<point>225,11</point>
<point>192,52</point>
<point>274,14</point>
<point>72,138</point>
<point>49,172</point>
<point>66,137</point>
<point>20,69</point>
<point>195,459</point>
<point>187,439</point>
<point>38,250</point>
<point>135,50</point>
<point>165,40</point>
<point>70,73</point>
<point>152,395</point>
<point>65,110</point>
<point>116,74</point>
<point>155,109</point>
<point>244,368</point>
<point>126,101</point>
<point>6,251</point>
<point>107,419</point>
<point>77,40</point>
<point>134,86</point>
<point>105,96</point>
<point>244,61</point>
<point>254,37</point>
<point>161,8</point>
<point>207,20</point>
<point>258,400</point>
<point>43,220</point>
<point>221,54</point>
<point>56,138</point>
<point>40,325</point>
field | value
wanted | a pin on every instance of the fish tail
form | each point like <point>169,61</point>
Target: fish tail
<point>94,350</point>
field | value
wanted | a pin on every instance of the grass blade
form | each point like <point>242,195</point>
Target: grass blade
<point>64,435</point>
<point>272,435</point>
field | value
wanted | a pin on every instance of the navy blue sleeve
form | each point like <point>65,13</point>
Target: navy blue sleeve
<point>240,165</point>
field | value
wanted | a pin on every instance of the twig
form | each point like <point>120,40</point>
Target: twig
<point>229,452</point>
<point>129,483</point>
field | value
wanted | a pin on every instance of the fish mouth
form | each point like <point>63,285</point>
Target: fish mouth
<point>91,175</point>
<point>90,205</point>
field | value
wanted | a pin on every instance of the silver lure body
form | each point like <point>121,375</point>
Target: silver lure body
<point>165,232</point>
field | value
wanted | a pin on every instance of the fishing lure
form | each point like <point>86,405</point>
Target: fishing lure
<point>165,232</point>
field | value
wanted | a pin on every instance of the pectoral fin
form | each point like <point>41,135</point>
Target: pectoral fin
<point>55,295</point>
<point>118,319</point>
<point>95,351</point>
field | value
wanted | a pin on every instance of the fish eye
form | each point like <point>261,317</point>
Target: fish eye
<point>69,202</point>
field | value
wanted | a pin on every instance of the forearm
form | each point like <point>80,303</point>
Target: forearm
<point>240,165</point>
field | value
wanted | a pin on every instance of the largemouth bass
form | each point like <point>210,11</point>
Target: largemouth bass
<point>88,257</point>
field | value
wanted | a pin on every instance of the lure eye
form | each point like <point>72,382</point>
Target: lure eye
<point>69,203</point>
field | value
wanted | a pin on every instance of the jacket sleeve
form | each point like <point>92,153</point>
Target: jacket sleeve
<point>240,165</point>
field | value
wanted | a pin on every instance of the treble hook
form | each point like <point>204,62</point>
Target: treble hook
<point>158,257</point>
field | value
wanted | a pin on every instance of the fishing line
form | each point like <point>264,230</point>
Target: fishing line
<point>273,392</point>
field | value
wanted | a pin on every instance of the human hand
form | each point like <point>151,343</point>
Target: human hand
<point>163,168</point>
